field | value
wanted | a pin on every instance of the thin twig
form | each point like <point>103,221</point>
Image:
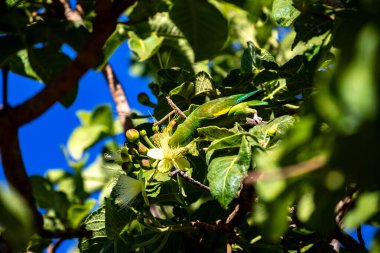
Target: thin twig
<point>360,236</point>
<point>52,248</point>
<point>229,246</point>
<point>286,172</point>
<point>157,123</point>
<point>175,108</point>
<point>347,241</point>
<point>189,179</point>
<point>66,234</point>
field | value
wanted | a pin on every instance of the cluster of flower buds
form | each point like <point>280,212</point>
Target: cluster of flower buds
<point>133,153</point>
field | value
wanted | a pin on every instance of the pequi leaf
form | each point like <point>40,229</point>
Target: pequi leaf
<point>144,48</point>
<point>255,59</point>
<point>283,12</point>
<point>15,218</point>
<point>212,133</point>
<point>225,174</point>
<point>84,137</point>
<point>203,25</point>
<point>96,224</point>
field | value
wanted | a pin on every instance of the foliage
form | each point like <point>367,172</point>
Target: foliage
<point>285,169</point>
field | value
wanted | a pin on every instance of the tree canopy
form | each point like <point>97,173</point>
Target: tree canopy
<point>265,134</point>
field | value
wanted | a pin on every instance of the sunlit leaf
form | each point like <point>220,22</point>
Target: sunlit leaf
<point>15,218</point>
<point>84,137</point>
<point>226,173</point>
<point>203,25</point>
<point>283,12</point>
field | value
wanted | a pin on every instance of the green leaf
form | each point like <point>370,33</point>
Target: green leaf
<point>268,190</point>
<point>203,84</point>
<point>255,59</point>
<point>99,174</point>
<point>283,12</point>
<point>116,219</point>
<point>38,244</point>
<point>96,224</point>
<point>233,141</point>
<point>366,206</point>
<point>309,25</point>
<point>164,26</point>
<point>102,115</point>
<point>185,90</point>
<point>212,133</point>
<point>375,243</point>
<point>203,25</point>
<point>77,212</point>
<point>84,117</point>
<point>43,191</point>
<point>225,174</point>
<point>47,62</point>
<point>348,98</point>
<point>20,64</point>
<point>144,48</point>
<point>113,42</point>
<point>84,137</point>
<point>15,218</point>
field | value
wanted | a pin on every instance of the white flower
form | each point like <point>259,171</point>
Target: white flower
<point>169,156</point>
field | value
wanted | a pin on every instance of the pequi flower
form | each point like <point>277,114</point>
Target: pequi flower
<point>169,156</point>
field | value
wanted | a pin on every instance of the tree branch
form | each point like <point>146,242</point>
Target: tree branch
<point>120,99</point>
<point>5,72</point>
<point>189,179</point>
<point>286,172</point>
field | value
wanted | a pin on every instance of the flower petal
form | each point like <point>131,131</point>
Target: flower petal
<point>155,153</point>
<point>164,166</point>
<point>181,163</point>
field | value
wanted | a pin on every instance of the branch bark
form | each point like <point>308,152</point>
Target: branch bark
<point>120,99</point>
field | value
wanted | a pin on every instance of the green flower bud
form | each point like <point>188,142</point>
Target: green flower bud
<point>142,148</point>
<point>143,133</point>
<point>132,135</point>
<point>145,164</point>
<point>143,98</point>
<point>156,129</point>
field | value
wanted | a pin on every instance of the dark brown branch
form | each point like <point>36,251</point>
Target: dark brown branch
<point>5,72</point>
<point>189,179</point>
<point>360,236</point>
<point>67,234</point>
<point>70,14</point>
<point>120,99</point>
<point>347,241</point>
